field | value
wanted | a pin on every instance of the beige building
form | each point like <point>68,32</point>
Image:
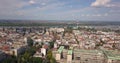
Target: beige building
<point>59,53</point>
<point>79,56</point>
<point>69,56</point>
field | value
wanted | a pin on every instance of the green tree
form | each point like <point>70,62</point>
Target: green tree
<point>29,41</point>
<point>50,57</point>
<point>25,58</point>
<point>11,59</point>
<point>52,60</point>
<point>51,44</point>
<point>36,60</point>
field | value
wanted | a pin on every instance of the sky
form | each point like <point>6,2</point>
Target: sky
<point>84,10</point>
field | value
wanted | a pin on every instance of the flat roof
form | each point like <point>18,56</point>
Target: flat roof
<point>60,49</point>
<point>70,52</point>
<point>111,54</point>
<point>88,51</point>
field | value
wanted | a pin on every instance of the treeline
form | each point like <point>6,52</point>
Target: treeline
<point>32,24</point>
<point>27,57</point>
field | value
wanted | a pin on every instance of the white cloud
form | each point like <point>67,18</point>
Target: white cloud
<point>94,15</point>
<point>99,3</point>
<point>43,3</point>
<point>105,3</point>
<point>54,9</point>
<point>31,2</point>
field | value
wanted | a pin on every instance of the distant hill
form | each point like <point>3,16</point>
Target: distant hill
<point>53,22</point>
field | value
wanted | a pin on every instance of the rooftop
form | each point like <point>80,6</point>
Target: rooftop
<point>114,55</point>
<point>70,52</point>
<point>60,49</point>
<point>88,51</point>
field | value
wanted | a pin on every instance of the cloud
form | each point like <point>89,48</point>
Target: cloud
<point>43,3</point>
<point>10,4</point>
<point>114,11</point>
<point>105,3</point>
<point>94,15</point>
<point>58,9</point>
<point>9,7</point>
<point>31,2</point>
<point>99,3</point>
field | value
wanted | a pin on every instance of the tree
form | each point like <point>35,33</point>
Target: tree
<point>49,55</point>
<point>25,58</point>
<point>51,44</point>
<point>29,41</point>
<point>11,59</point>
<point>36,60</point>
<point>50,58</point>
<point>31,50</point>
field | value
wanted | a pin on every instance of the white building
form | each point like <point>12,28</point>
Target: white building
<point>43,51</point>
<point>55,45</point>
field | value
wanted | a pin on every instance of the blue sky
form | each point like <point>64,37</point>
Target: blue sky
<point>85,10</point>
